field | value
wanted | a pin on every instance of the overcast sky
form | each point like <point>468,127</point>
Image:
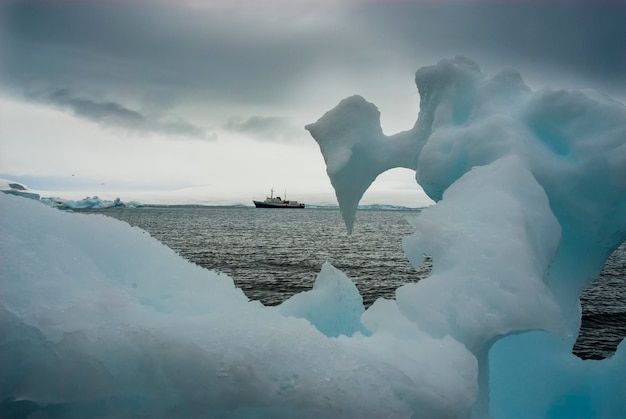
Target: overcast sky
<point>205,101</point>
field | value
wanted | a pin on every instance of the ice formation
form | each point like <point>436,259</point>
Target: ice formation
<point>16,188</point>
<point>90,202</point>
<point>98,319</point>
<point>531,191</point>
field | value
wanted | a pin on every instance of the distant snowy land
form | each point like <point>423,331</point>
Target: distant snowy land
<point>96,202</point>
<point>19,189</point>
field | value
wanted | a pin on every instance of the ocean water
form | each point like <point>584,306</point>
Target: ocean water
<point>273,254</point>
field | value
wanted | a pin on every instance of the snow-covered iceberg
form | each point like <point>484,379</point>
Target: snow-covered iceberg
<point>90,202</point>
<point>531,191</point>
<point>15,188</point>
<point>99,319</point>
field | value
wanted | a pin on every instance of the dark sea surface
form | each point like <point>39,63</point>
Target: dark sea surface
<point>273,254</point>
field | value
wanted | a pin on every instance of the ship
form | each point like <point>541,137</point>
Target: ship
<point>277,202</point>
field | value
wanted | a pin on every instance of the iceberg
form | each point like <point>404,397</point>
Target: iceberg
<point>531,200</point>
<point>96,202</point>
<point>99,319</point>
<point>16,188</point>
<point>88,202</point>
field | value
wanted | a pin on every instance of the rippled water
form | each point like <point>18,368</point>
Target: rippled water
<point>273,254</point>
<point>604,309</point>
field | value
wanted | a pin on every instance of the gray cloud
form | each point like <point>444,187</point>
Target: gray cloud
<point>578,38</point>
<point>260,53</point>
<point>115,115</point>
<point>271,128</point>
<point>223,53</point>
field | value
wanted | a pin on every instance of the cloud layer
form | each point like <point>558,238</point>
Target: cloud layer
<point>262,52</point>
<point>272,128</point>
<point>194,70</point>
<point>115,115</point>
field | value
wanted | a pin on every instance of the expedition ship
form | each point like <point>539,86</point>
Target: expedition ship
<point>277,202</point>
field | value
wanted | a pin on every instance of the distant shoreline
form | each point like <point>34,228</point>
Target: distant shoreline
<point>378,207</point>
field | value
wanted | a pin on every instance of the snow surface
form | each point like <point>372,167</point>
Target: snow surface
<point>99,319</point>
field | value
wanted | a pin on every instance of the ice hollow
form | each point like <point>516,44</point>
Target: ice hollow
<point>99,319</point>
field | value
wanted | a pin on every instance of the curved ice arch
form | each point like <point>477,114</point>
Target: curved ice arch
<point>531,200</point>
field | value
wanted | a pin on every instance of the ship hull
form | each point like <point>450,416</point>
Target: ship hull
<point>261,204</point>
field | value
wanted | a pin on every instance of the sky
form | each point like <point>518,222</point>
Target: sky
<point>205,102</point>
